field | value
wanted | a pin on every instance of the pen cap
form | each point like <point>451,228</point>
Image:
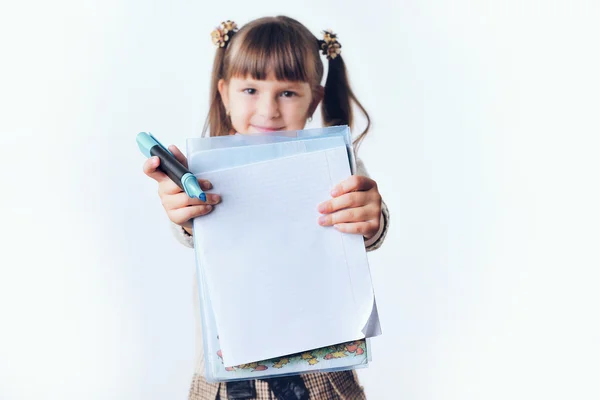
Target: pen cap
<point>145,142</point>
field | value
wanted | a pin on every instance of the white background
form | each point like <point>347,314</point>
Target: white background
<point>484,144</point>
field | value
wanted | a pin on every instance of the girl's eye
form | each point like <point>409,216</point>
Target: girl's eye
<point>288,93</point>
<point>249,91</point>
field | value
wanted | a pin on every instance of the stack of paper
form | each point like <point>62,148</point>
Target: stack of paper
<point>274,284</point>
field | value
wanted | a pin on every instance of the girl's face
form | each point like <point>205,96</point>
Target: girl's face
<point>268,105</point>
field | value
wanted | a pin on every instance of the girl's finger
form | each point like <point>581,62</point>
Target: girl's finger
<point>348,200</point>
<point>366,229</point>
<point>352,184</point>
<point>182,215</point>
<point>150,168</point>
<point>204,184</point>
<point>358,214</point>
<point>181,200</point>
<point>178,155</point>
<point>168,188</point>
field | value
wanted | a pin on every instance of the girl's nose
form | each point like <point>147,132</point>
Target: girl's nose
<point>268,107</point>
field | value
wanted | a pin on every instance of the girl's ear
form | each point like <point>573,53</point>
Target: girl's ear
<point>222,86</point>
<point>318,94</point>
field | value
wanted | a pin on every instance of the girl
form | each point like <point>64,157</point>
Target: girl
<point>267,77</point>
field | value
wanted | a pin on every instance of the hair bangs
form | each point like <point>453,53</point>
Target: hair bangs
<point>272,49</point>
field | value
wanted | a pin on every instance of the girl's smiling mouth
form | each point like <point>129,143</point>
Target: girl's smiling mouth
<point>267,129</point>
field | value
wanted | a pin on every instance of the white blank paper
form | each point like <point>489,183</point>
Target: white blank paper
<point>279,282</point>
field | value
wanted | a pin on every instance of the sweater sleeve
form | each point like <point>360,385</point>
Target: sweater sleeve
<point>181,235</point>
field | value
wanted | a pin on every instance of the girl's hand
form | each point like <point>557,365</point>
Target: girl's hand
<point>355,207</point>
<point>179,206</point>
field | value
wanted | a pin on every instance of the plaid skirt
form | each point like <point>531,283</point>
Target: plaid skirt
<point>327,386</point>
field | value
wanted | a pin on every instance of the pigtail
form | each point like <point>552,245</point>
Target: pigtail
<point>336,107</point>
<point>218,121</point>
<point>337,101</point>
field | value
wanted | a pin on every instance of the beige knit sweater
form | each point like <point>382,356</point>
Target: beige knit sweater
<point>184,238</point>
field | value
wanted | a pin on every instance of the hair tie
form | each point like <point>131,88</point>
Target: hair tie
<point>330,46</point>
<point>223,33</point>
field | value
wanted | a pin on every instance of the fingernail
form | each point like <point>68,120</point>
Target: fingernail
<point>209,207</point>
<point>321,207</point>
<point>335,192</point>
<point>216,198</point>
<point>154,160</point>
<point>322,219</point>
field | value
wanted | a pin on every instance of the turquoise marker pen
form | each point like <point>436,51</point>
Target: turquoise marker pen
<point>179,174</point>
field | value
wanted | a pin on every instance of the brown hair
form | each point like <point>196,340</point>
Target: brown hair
<point>288,49</point>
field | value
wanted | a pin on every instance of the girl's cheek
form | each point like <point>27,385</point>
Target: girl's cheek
<point>296,112</point>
